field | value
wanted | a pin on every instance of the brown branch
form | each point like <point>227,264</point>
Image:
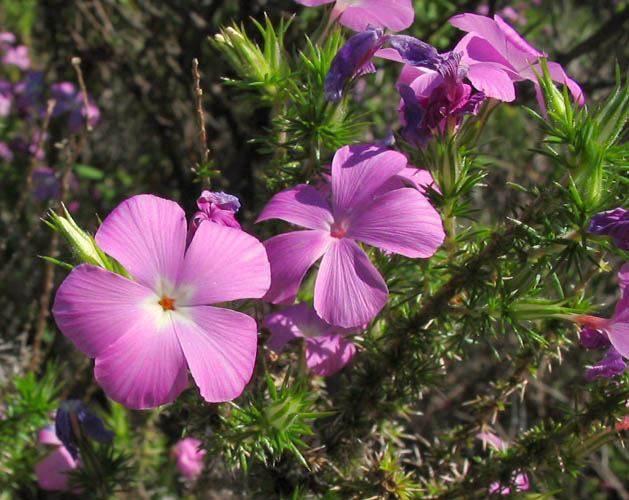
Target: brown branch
<point>198,94</point>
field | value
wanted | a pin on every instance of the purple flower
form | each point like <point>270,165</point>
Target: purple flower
<point>69,100</point>
<point>216,207</point>
<point>355,58</point>
<point>593,339</point>
<point>17,56</point>
<point>29,96</point>
<point>6,39</point>
<point>614,223</point>
<point>519,479</point>
<point>52,471</point>
<point>610,366</point>
<point>147,331</point>
<point>437,100</point>
<point>357,15</point>
<point>497,56</point>
<point>189,457</point>
<point>348,291</point>
<point>327,351</point>
<point>73,419</point>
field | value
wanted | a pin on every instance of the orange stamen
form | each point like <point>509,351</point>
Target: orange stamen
<point>167,304</point>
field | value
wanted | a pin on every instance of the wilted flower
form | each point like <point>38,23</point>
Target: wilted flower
<point>614,223</point>
<point>327,351</point>
<point>148,331</point>
<point>497,56</point>
<point>189,457</point>
<point>436,101</point>
<point>396,15</point>
<point>355,58</point>
<point>74,419</point>
<point>349,291</point>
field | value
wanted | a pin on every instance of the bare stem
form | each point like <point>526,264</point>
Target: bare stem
<point>198,95</point>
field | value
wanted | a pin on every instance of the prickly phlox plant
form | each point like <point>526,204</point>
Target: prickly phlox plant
<point>373,322</point>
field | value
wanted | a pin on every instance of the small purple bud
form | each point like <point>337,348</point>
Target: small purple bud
<point>592,338</point>
<point>352,60</point>
<point>611,365</point>
<point>614,223</point>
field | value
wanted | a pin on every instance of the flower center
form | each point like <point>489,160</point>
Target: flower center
<point>167,304</point>
<point>337,231</point>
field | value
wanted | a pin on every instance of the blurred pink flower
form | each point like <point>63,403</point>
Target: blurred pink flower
<point>520,480</point>
<point>189,457</point>
<point>51,471</point>
<point>17,56</point>
<point>148,331</point>
<point>357,15</point>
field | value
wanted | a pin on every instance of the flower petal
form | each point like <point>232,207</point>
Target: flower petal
<point>95,307</point>
<point>492,80</point>
<point>401,221</point>
<point>349,291</point>
<point>51,471</point>
<point>396,15</point>
<point>291,255</point>
<point>223,263</point>
<point>147,235</point>
<point>292,322</point>
<point>618,331</point>
<point>302,205</point>
<point>313,3</point>
<point>146,367</point>
<point>328,354</point>
<point>220,346</point>
<point>358,171</point>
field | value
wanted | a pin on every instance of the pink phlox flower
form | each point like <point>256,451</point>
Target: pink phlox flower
<point>519,479</point>
<point>145,333</point>
<point>327,351</point>
<point>5,152</point>
<point>396,15</point>
<point>349,291</point>
<point>437,100</point>
<point>189,456</point>
<point>17,56</point>
<point>52,471</point>
<point>497,56</point>
<point>217,207</point>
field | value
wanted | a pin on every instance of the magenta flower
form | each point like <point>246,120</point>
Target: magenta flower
<point>497,56</point>
<point>357,15</point>
<point>218,207</point>
<point>189,458</point>
<point>349,291</point>
<point>327,351</point>
<point>436,101</point>
<point>52,471</point>
<point>148,331</point>
<point>520,480</point>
